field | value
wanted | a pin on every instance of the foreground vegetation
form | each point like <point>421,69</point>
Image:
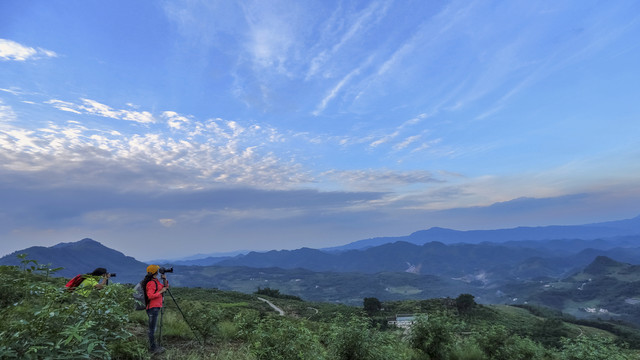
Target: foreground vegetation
<point>42,320</point>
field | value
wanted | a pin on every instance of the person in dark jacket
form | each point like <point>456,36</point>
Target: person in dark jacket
<point>154,291</point>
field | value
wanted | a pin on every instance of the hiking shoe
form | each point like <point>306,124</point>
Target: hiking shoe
<point>158,350</point>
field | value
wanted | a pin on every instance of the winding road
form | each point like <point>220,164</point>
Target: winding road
<point>280,311</point>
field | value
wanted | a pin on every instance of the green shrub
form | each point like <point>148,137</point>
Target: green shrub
<point>467,350</point>
<point>203,318</point>
<point>498,343</point>
<point>46,321</point>
<point>434,337</point>
<point>284,339</point>
<point>592,348</point>
<point>356,339</point>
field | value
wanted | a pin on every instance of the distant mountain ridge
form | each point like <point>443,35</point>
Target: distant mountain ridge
<point>496,261</point>
<point>608,229</point>
<point>563,274</point>
<point>83,257</point>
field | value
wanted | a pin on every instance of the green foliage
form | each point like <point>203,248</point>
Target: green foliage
<point>498,343</point>
<point>371,305</point>
<point>549,332</point>
<point>356,339</point>
<point>285,339</point>
<point>592,348</point>
<point>45,321</point>
<point>276,294</point>
<point>467,350</point>
<point>434,337</point>
<point>203,318</point>
<point>246,322</point>
<point>464,303</point>
<point>41,320</point>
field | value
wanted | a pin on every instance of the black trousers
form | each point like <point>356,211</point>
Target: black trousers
<point>153,321</point>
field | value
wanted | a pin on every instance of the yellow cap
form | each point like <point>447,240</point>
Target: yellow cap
<point>152,269</point>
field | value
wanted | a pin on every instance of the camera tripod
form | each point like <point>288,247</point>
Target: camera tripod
<point>181,313</point>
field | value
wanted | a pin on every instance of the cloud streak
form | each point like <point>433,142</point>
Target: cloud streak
<point>13,51</point>
<point>93,107</point>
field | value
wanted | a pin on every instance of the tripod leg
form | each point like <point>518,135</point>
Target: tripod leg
<point>161,320</point>
<point>185,319</point>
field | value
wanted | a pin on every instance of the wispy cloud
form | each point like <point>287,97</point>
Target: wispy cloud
<point>408,141</point>
<point>336,89</point>
<point>271,34</point>
<point>356,24</point>
<point>93,107</point>
<point>13,51</point>
<point>381,180</point>
<point>6,112</point>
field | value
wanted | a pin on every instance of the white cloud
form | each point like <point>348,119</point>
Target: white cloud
<point>380,180</point>
<point>207,154</point>
<point>272,34</point>
<point>13,51</point>
<point>175,120</point>
<point>167,222</point>
<point>357,24</point>
<point>64,106</point>
<point>336,89</point>
<point>384,139</point>
<point>12,91</point>
<point>408,141</point>
<point>89,106</point>
<point>94,107</point>
<point>6,112</point>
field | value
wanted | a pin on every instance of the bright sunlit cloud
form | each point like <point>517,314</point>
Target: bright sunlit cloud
<point>13,51</point>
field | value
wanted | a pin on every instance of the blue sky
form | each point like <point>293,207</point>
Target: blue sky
<point>168,128</point>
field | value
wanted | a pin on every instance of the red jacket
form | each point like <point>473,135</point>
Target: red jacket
<point>153,294</point>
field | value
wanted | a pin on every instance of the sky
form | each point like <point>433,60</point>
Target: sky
<point>170,128</point>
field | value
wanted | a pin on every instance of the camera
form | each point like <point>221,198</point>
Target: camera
<point>163,270</point>
<point>112,274</point>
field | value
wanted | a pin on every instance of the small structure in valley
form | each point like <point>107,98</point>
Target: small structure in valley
<point>402,320</point>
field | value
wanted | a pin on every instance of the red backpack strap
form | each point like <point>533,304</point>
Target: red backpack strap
<point>74,282</point>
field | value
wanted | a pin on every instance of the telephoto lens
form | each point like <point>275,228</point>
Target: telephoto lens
<point>163,270</point>
<point>112,274</point>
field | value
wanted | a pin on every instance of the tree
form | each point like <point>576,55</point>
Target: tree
<point>371,305</point>
<point>465,302</point>
<point>434,337</point>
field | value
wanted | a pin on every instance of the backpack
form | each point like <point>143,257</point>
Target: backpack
<point>74,282</point>
<point>139,298</point>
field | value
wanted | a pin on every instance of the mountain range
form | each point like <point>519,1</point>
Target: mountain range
<point>522,265</point>
<point>447,236</point>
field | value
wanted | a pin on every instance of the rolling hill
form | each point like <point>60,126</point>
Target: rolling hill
<point>82,257</point>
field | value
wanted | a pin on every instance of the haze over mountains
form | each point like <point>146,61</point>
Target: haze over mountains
<point>448,236</point>
<point>510,265</point>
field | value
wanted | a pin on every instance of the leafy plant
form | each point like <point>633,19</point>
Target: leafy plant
<point>276,338</point>
<point>47,322</point>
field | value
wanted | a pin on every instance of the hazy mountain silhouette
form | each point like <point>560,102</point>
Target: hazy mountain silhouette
<point>447,236</point>
<point>82,257</point>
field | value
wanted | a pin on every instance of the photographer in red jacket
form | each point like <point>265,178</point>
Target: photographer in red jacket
<point>153,298</point>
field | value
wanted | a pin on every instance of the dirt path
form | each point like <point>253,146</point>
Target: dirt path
<point>280,311</point>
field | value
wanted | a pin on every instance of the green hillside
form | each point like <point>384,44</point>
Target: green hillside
<point>605,289</point>
<point>42,320</point>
